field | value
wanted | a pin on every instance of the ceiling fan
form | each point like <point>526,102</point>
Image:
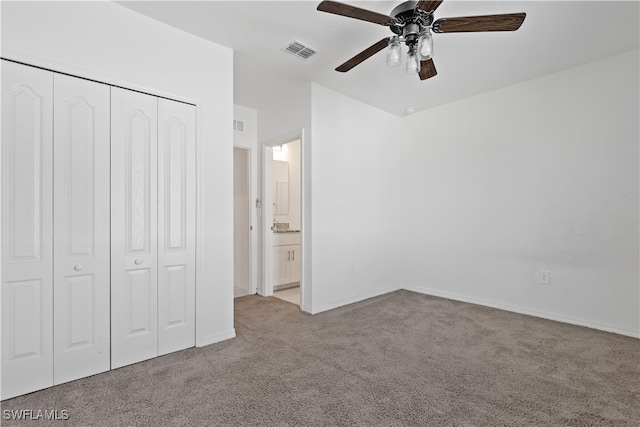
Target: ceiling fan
<point>412,22</point>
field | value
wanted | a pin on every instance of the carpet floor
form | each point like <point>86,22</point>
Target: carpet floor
<point>401,359</point>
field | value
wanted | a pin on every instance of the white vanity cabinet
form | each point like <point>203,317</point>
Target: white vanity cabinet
<point>286,258</point>
<point>294,264</point>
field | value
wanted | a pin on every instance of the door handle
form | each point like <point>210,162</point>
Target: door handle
<point>137,262</point>
<point>288,255</point>
<point>77,267</point>
<point>293,255</point>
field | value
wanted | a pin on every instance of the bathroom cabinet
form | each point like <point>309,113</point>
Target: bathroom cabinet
<point>286,259</point>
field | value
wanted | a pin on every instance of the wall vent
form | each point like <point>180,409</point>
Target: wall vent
<point>300,49</point>
<point>238,125</point>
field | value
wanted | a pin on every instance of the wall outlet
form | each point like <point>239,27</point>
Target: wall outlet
<point>545,277</point>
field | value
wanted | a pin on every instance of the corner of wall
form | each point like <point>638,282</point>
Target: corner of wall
<point>215,338</point>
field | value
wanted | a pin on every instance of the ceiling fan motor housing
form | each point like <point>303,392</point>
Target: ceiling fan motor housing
<point>409,20</point>
<point>411,32</point>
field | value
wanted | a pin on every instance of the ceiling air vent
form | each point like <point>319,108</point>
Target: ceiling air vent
<point>299,49</point>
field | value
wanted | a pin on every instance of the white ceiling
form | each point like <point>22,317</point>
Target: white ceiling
<point>555,36</point>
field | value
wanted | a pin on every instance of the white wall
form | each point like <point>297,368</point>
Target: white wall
<point>108,42</point>
<point>289,118</point>
<point>248,139</point>
<point>539,175</point>
<point>356,188</point>
<point>290,111</point>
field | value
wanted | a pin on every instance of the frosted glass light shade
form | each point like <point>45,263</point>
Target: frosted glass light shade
<point>413,64</point>
<point>426,45</point>
<point>393,52</point>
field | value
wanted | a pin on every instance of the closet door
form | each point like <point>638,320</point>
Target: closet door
<point>81,228</point>
<point>176,226</point>
<point>134,252</point>
<point>27,251</point>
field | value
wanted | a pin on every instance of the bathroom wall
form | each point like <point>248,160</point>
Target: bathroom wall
<point>291,154</point>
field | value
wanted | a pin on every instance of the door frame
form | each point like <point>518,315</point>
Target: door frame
<point>253,232</point>
<point>267,213</point>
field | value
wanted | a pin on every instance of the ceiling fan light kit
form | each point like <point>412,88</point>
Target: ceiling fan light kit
<point>412,23</point>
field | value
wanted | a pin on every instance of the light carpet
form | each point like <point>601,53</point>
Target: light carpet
<point>401,359</point>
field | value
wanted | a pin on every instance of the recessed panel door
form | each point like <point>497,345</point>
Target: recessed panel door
<point>27,235</point>
<point>81,225</point>
<point>176,226</point>
<point>134,266</point>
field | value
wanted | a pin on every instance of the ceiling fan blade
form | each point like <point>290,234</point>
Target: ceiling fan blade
<point>506,22</point>
<point>428,5</point>
<point>365,54</point>
<point>355,12</point>
<point>427,69</point>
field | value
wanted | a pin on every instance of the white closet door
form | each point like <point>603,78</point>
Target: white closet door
<point>176,226</point>
<point>81,228</point>
<point>134,254</point>
<point>27,251</point>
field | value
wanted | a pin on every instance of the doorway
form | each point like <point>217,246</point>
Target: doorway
<point>241,222</point>
<point>286,200</point>
<point>282,194</point>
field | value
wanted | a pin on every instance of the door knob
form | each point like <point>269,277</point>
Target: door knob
<point>77,267</point>
<point>137,262</point>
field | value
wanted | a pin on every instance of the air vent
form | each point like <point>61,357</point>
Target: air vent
<point>238,125</point>
<point>299,49</point>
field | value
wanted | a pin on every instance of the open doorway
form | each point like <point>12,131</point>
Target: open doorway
<point>241,222</point>
<point>286,210</point>
<point>282,214</point>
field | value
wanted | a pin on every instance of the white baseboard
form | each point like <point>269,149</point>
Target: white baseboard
<point>346,301</point>
<point>212,339</point>
<point>520,310</point>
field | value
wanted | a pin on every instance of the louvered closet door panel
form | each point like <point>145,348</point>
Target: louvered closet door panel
<point>134,266</point>
<point>81,228</point>
<point>176,226</point>
<point>27,251</point>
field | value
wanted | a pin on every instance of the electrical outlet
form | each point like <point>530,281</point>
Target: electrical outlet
<point>545,277</point>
